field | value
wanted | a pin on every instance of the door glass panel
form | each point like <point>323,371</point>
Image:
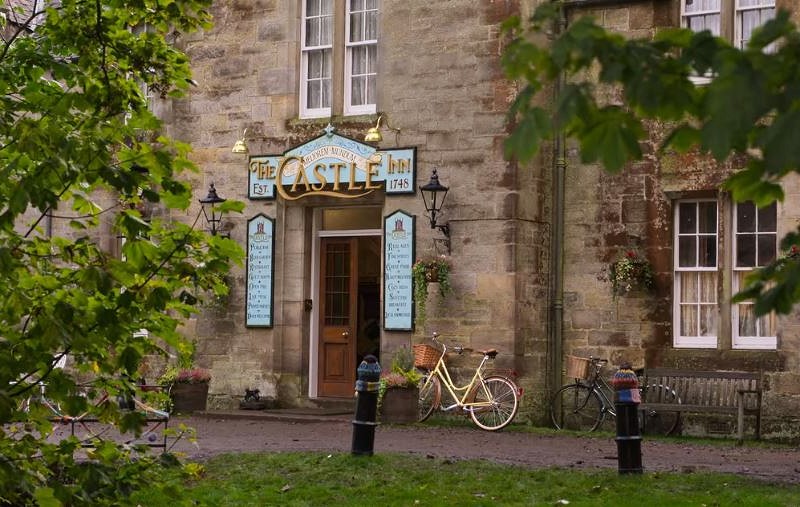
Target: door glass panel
<point>337,284</point>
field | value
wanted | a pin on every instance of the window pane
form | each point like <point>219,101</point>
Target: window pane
<point>315,64</point>
<point>708,320</point>
<point>312,32</point>
<point>707,212</point>
<point>326,7</point>
<point>358,91</point>
<point>746,217</point>
<point>687,216</point>
<point>687,252</point>
<point>313,7</point>
<point>768,218</point>
<point>767,248</point>
<point>707,251</point>
<point>371,26</point>
<point>371,90</point>
<point>326,93</point>
<point>356,5</point>
<point>692,6</point>
<point>708,286</point>
<point>326,32</point>
<point>747,321</point>
<point>745,251</point>
<point>359,60</point>
<point>688,321</point>
<point>313,92</point>
<point>689,292</point>
<point>356,26</point>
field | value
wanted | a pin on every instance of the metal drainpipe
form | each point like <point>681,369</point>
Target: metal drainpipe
<point>557,240</point>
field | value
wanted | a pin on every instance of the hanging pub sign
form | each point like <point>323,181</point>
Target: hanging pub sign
<point>398,258</point>
<point>332,165</point>
<point>260,271</point>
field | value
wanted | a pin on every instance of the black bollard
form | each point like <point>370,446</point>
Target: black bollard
<point>629,438</point>
<point>369,374</point>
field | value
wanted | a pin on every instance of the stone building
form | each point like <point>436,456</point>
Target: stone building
<point>300,83</point>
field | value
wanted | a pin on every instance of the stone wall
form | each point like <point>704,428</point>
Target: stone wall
<point>441,84</point>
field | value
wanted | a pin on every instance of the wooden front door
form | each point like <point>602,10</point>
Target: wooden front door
<point>338,314</point>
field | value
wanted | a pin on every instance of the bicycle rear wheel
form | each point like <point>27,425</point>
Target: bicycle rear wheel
<point>659,422</point>
<point>576,407</point>
<point>501,403</point>
<point>430,394</point>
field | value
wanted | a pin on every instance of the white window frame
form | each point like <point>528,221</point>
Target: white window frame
<point>679,341</point>
<point>349,108</point>
<point>759,342</point>
<point>739,10</point>
<point>728,10</point>
<point>305,111</point>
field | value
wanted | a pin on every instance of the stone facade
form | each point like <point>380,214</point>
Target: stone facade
<point>441,84</point>
<point>445,90</point>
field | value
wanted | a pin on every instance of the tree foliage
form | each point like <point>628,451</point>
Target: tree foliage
<point>749,107</point>
<point>79,147</point>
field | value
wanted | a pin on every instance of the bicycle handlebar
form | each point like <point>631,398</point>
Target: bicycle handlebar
<point>458,349</point>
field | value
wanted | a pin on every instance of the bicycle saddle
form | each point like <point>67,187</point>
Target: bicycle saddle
<point>492,353</point>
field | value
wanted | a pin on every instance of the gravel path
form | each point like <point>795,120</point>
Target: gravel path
<point>216,435</point>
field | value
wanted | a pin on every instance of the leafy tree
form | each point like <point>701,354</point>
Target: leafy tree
<point>80,149</point>
<point>750,107</point>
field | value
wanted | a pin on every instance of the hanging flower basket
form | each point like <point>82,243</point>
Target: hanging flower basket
<point>630,271</point>
<point>430,270</point>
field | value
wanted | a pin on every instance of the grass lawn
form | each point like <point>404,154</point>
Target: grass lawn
<point>322,479</point>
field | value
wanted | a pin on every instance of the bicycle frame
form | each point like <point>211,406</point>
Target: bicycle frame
<point>460,401</point>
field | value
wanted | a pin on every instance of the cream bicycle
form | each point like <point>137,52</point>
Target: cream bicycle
<point>492,400</point>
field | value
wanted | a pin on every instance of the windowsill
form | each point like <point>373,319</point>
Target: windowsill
<point>354,127</point>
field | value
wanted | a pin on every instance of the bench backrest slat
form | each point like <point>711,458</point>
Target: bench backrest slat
<point>707,388</point>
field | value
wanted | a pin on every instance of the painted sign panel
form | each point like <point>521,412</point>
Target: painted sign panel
<point>398,258</point>
<point>260,271</point>
<point>332,165</point>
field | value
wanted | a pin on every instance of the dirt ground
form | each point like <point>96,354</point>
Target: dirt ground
<point>220,434</point>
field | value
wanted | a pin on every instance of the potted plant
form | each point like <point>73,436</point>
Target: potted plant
<point>430,270</point>
<point>398,391</point>
<point>188,388</point>
<point>630,271</point>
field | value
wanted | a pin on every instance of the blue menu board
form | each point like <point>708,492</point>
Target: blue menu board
<point>260,271</point>
<point>398,258</point>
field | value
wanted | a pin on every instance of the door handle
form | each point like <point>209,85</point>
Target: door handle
<point>345,334</point>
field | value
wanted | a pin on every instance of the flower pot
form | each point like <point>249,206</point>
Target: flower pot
<point>432,275</point>
<point>399,405</point>
<point>189,397</point>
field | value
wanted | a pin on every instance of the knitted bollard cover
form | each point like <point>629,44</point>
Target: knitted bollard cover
<point>626,385</point>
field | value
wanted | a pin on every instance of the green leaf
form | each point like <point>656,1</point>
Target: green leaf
<point>613,138</point>
<point>533,127</point>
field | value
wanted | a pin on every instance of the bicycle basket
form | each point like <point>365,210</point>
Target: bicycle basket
<point>578,367</point>
<point>426,356</point>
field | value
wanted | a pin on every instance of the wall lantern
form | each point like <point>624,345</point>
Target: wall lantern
<point>240,147</point>
<point>210,201</point>
<point>374,134</point>
<point>436,192</point>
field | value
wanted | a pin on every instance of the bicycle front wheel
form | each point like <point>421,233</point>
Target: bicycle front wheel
<point>494,403</point>
<point>576,407</point>
<point>430,394</point>
<point>660,422</point>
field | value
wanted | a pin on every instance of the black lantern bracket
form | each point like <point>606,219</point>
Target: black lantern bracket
<point>211,213</point>
<point>433,195</point>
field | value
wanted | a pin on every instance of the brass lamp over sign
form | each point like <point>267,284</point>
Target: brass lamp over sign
<point>240,147</point>
<point>374,133</point>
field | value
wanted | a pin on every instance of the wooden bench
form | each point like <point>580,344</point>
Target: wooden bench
<point>155,421</point>
<point>726,392</point>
